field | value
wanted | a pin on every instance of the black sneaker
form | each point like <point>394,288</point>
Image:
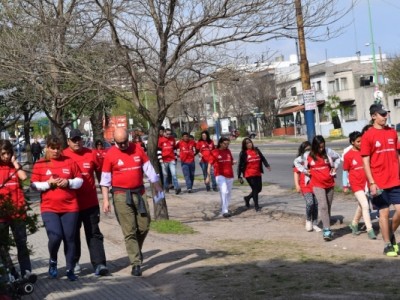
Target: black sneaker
<point>190,191</point>
<point>178,191</point>
<point>246,201</point>
<point>215,189</point>
<point>226,215</point>
<point>136,271</point>
<point>101,270</point>
<point>208,188</point>
<point>389,251</point>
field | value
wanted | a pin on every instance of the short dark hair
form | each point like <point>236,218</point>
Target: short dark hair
<point>353,136</point>
<point>7,146</point>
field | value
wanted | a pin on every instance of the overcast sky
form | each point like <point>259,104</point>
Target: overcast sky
<point>386,31</point>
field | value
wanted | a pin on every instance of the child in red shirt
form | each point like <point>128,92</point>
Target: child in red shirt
<point>352,162</point>
<point>222,161</point>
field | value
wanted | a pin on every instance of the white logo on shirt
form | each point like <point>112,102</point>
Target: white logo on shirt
<point>377,144</point>
<point>48,172</point>
<point>136,158</point>
<point>249,156</point>
<point>65,171</point>
<point>120,162</point>
<point>86,165</point>
<point>390,141</point>
<point>312,163</point>
<point>354,162</point>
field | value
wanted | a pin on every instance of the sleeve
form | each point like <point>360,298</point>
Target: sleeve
<point>240,168</point>
<point>365,145</point>
<point>263,159</point>
<point>159,152</point>
<point>150,172</point>
<point>346,163</point>
<point>300,162</point>
<point>335,157</point>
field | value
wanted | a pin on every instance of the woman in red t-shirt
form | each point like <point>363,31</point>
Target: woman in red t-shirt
<point>57,177</point>
<point>222,161</point>
<point>13,210</point>
<point>250,165</point>
<point>204,146</point>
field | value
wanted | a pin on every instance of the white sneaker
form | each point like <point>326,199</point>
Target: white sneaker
<point>77,268</point>
<point>309,226</point>
<point>316,228</point>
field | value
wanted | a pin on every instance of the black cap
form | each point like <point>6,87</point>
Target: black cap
<point>74,133</point>
<point>377,108</point>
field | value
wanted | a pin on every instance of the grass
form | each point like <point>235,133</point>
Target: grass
<point>170,227</point>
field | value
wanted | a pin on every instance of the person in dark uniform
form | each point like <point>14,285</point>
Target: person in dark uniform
<point>36,150</point>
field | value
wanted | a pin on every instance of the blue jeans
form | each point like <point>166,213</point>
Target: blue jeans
<point>188,172</point>
<point>204,167</point>
<point>172,167</point>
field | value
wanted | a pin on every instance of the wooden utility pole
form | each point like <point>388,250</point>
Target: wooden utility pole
<point>304,69</point>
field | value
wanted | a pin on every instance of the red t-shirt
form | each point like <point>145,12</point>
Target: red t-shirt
<point>59,200</point>
<point>222,160</point>
<point>125,166</point>
<point>187,150</point>
<point>100,153</point>
<point>252,164</point>
<point>320,173</point>
<point>167,146</point>
<point>88,163</point>
<point>305,188</point>
<point>10,189</point>
<point>205,149</point>
<point>352,162</point>
<point>381,146</point>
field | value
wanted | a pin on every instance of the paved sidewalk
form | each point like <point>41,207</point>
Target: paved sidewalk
<point>120,284</point>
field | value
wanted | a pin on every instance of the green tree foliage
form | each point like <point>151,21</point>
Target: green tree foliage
<point>393,74</point>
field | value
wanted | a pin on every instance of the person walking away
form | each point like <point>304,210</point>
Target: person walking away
<point>222,160</point>
<point>13,213</point>
<point>353,164</point>
<point>381,165</point>
<point>123,169</point>
<point>250,165</point>
<point>89,210</point>
<point>204,147</point>
<point>138,140</point>
<point>57,178</point>
<point>167,146</point>
<point>321,164</point>
<point>36,150</point>
<point>302,184</point>
<point>187,151</point>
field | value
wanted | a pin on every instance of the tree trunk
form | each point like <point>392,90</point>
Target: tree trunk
<point>27,138</point>
<point>96,119</point>
<point>160,208</point>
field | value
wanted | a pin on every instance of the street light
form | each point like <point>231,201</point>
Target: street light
<point>373,52</point>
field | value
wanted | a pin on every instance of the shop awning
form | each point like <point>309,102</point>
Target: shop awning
<point>294,109</point>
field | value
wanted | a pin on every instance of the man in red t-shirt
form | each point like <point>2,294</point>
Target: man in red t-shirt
<point>381,165</point>
<point>187,151</point>
<point>167,146</point>
<point>89,210</point>
<point>123,169</point>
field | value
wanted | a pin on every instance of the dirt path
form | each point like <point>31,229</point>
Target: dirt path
<point>262,256</point>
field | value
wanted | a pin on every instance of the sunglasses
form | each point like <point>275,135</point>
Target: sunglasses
<point>76,139</point>
<point>123,143</point>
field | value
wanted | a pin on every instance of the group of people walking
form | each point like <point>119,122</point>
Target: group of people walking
<point>372,163</point>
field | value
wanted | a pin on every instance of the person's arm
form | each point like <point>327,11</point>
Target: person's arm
<point>264,160</point>
<point>296,178</point>
<point>105,184</point>
<point>299,164</point>
<point>371,182</point>
<point>151,174</point>
<point>20,172</point>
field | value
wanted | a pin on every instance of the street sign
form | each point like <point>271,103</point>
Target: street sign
<point>378,95</point>
<point>310,102</point>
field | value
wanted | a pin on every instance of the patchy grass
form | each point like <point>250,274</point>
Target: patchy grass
<point>171,227</point>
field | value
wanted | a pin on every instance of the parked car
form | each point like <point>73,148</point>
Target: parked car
<point>398,127</point>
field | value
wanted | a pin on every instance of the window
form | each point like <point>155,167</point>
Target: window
<point>293,91</point>
<point>349,113</point>
<point>343,83</point>
<point>396,103</point>
<point>319,87</point>
<point>331,86</point>
<point>337,86</point>
<point>366,80</point>
<point>283,93</point>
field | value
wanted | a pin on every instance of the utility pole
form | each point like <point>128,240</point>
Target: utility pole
<point>373,53</point>
<point>304,69</point>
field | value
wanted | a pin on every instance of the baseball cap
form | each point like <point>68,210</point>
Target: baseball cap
<point>377,108</point>
<point>74,133</point>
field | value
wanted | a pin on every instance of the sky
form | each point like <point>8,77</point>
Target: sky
<point>385,15</point>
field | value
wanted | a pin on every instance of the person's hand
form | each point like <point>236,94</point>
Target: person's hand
<point>241,180</point>
<point>373,189</point>
<point>298,189</point>
<point>62,183</point>
<point>207,180</point>
<point>345,189</point>
<point>158,187</point>
<point>269,168</point>
<point>106,206</point>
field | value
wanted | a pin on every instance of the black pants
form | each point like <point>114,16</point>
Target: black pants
<point>255,183</point>
<point>90,219</point>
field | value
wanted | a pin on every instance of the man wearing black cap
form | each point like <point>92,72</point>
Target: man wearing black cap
<point>381,165</point>
<point>89,210</point>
